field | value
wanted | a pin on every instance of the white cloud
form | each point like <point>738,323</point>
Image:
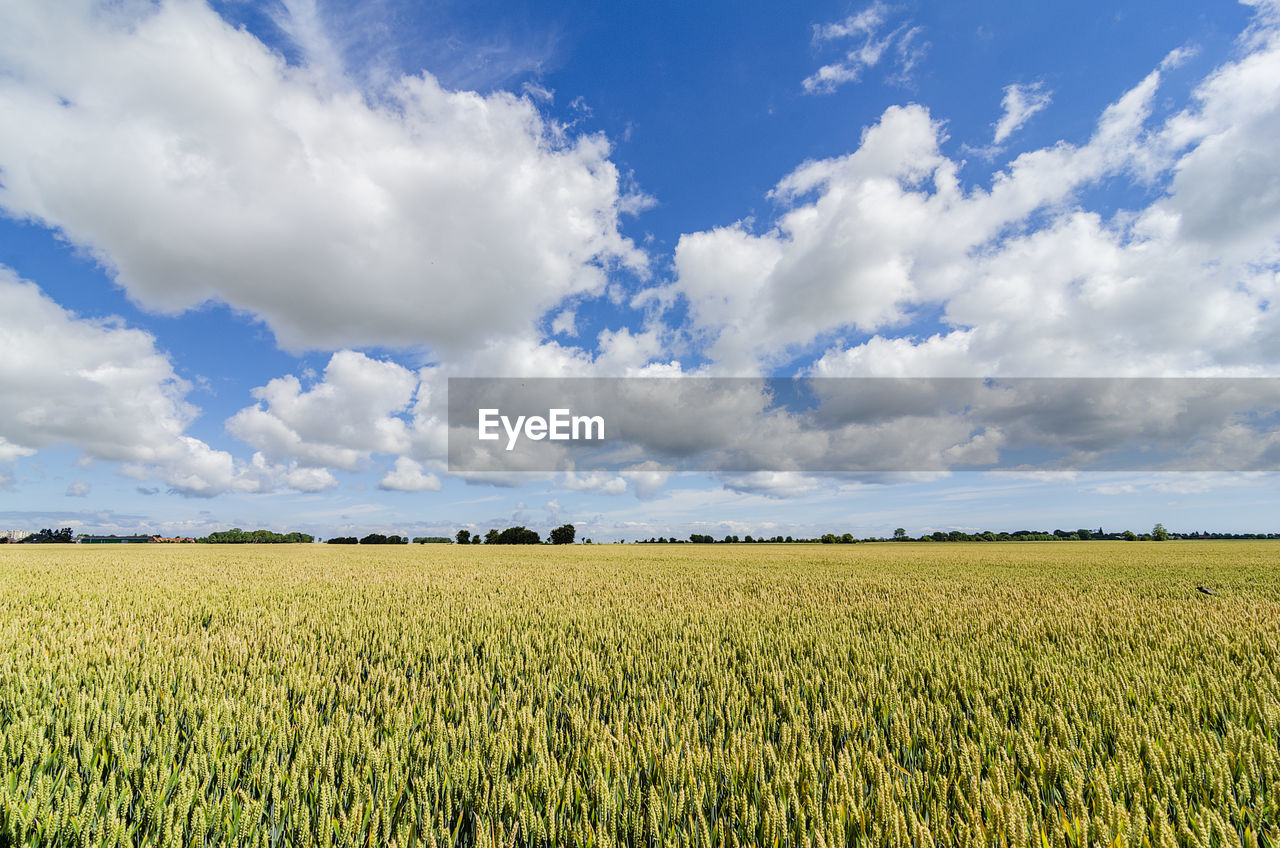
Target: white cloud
<point>1182,483</point>
<point>195,164</point>
<point>100,387</point>
<point>859,24</point>
<point>592,481</point>
<point>771,484</point>
<point>309,479</point>
<point>301,20</point>
<point>871,45</point>
<point>646,478</point>
<point>363,407</point>
<point>538,92</point>
<point>1019,104</point>
<point>1030,283</point>
<point>339,422</point>
<point>565,323</point>
<point>78,489</point>
<point>407,476</point>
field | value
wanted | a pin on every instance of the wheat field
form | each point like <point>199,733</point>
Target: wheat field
<point>1039,694</point>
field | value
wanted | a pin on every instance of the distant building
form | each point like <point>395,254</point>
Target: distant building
<point>172,539</point>
<point>103,540</point>
<point>14,535</point>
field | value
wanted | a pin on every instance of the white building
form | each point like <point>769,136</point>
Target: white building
<point>14,535</point>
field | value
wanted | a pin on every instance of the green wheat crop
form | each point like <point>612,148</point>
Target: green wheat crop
<point>894,694</point>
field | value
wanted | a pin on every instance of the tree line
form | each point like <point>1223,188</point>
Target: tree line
<point>519,535</point>
<point>236,536</point>
<point>566,535</point>
<point>45,536</point>
<point>1158,534</point>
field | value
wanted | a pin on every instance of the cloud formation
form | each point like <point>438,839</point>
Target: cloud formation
<point>408,476</point>
<point>1020,102</point>
<point>1028,281</point>
<point>339,422</point>
<point>100,387</point>
<point>901,46</point>
<point>196,164</point>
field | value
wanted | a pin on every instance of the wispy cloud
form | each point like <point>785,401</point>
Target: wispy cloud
<point>302,22</point>
<point>1020,103</point>
<point>873,43</point>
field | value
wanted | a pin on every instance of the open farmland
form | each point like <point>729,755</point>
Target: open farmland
<point>892,694</point>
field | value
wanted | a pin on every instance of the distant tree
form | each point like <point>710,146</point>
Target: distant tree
<point>1159,533</point>
<point>379,539</point>
<point>475,540</point>
<point>343,540</point>
<point>563,535</point>
<point>1084,534</point>
<point>47,536</point>
<point>900,535</point>
<point>1130,536</point>
<point>236,536</point>
<point>491,538</point>
<point>464,537</point>
<point>517,536</point>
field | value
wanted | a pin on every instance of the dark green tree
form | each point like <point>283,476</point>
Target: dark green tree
<point>517,536</point>
<point>47,535</point>
<point>563,535</point>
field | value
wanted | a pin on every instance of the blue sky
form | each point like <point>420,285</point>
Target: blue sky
<point>244,245</point>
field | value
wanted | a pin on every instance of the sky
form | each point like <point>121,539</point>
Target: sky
<point>243,246</point>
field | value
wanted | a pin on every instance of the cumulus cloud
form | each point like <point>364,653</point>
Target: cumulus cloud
<point>362,407</point>
<point>353,412</point>
<point>100,387</point>
<point>1020,102</point>
<point>592,481</point>
<point>309,479</point>
<point>195,164</point>
<point>646,478</point>
<point>104,389</point>
<point>1029,281</point>
<point>407,476</point>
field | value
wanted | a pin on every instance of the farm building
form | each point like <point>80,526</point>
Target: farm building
<point>100,540</point>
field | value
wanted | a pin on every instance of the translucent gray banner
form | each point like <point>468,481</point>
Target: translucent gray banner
<point>863,424</point>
